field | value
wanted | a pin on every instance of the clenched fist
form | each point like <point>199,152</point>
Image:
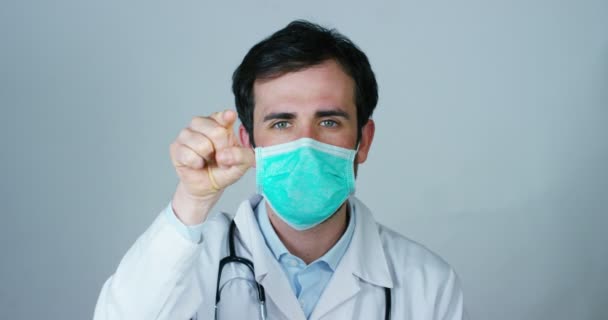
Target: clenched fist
<point>207,158</point>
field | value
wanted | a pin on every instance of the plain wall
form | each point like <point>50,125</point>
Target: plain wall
<point>491,145</point>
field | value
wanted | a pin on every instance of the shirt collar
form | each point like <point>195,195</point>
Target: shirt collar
<point>278,249</point>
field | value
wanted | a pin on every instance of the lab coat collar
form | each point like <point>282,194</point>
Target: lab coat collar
<point>369,259</point>
<point>251,236</point>
<point>364,260</point>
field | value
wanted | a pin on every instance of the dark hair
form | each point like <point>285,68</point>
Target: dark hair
<point>300,45</point>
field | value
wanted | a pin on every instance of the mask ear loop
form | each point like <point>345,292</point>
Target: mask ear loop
<point>357,150</point>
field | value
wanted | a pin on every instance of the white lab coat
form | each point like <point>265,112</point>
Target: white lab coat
<point>165,276</point>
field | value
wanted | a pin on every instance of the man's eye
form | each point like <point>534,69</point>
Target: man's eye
<point>328,123</point>
<point>281,125</point>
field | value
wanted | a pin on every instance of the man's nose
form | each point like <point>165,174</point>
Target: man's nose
<point>307,131</point>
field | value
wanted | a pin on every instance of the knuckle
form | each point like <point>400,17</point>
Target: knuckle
<point>172,152</point>
<point>184,134</point>
<point>203,146</point>
<point>172,147</point>
<point>217,132</point>
<point>196,122</point>
<point>236,156</point>
<point>188,158</point>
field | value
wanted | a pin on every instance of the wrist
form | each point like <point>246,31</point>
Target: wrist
<point>191,210</point>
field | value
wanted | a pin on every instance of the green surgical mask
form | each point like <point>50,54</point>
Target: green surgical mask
<point>305,181</point>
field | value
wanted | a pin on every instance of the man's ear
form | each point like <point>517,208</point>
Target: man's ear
<point>244,137</point>
<point>367,136</point>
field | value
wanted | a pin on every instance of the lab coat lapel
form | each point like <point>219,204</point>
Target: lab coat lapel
<point>364,260</point>
<point>342,286</point>
<point>268,272</point>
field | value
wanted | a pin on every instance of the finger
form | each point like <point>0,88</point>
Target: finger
<point>219,136</point>
<point>198,142</point>
<point>182,156</point>
<point>224,118</point>
<point>235,156</point>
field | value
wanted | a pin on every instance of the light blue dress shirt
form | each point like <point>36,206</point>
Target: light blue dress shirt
<point>307,281</point>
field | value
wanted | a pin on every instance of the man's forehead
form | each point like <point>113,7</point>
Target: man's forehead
<point>320,88</point>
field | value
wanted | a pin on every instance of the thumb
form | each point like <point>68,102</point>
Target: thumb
<point>238,156</point>
<point>232,163</point>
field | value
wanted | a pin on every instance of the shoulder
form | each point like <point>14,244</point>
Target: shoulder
<point>398,246</point>
<point>216,226</point>
<point>412,260</point>
<point>401,252</point>
<point>422,275</point>
<point>409,262</point>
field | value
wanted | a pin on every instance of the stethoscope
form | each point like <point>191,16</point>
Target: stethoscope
<point>233,258</point>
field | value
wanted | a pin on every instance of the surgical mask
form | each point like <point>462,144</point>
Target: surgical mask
<point>305,181</point>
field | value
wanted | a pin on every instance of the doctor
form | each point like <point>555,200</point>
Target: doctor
<point>304,247</point>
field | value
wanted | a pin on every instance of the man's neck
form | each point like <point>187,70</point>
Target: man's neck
<point>311,244</point>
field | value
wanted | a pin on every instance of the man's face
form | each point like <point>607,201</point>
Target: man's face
<point>317,102</point>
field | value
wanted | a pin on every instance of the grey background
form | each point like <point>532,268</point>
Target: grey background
<point>491,141</point>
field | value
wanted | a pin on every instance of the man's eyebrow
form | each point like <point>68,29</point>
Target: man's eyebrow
<point>332,113</point>
<point>279,115</point>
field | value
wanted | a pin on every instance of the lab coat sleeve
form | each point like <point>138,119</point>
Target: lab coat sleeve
<point>155,279</point>
<point>193,233</point>
<point>450,303</point>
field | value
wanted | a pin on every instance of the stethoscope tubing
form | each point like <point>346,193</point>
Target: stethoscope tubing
<point>233,258</point>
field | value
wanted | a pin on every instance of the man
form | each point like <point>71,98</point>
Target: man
<point>304,247</point>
